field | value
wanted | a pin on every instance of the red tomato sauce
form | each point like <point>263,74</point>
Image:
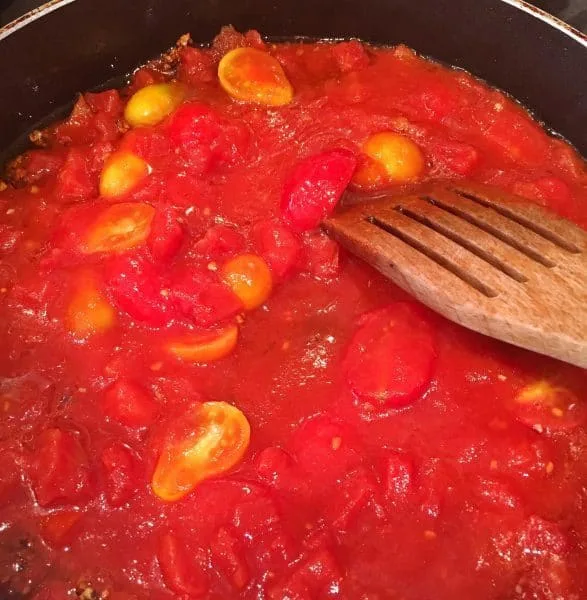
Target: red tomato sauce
<point>202,396</point>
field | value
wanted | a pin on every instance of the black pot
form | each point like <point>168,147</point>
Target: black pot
<point>68,46</point>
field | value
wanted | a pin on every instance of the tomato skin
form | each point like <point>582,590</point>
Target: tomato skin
<point>278,246</point>
<point>315,186</point>
<point>390,359</point>
<point>182,572</point>
<point>129,404</point>
<point>166,235</point>
<point>120,470</point>
<point>60,469</point>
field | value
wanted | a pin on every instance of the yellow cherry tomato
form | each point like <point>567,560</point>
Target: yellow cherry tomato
<point>121,173</point>
<point>249,277</point>
<point>151,104</point>
<point>543,405</point>
<point>389,157</point>
<point>252,75</point>
<point>119,227</point>
<point>88,312</point>
<point>205,443</point>
<point>205,347</point>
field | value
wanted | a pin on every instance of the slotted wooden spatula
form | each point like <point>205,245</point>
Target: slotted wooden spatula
<point>488,260</point>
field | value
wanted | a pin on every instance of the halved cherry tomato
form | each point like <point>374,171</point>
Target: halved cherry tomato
<point>542,404</point>
<point>211,440</point>
<point>205,347</point>
<point>249,277</point>
<point>119,227</point>
<point>252,75</point>
<point>153,103</point>
<point>121,173</point>
<point>390,359</point>
<point>89,312</point>
<point>389,157</point>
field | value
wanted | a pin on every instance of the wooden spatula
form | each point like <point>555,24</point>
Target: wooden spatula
<point>488,260</point>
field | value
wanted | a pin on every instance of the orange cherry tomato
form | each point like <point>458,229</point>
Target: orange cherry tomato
<point>119,227</point>
<point>249,277</point>
<point>210,441</point>
<point>89,312</point>
<point>121,173</point>
<point>389,157</point>
<point>544,405</point>
<point>205,347</point>
<point>252,75</point>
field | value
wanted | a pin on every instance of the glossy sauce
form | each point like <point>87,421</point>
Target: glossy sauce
<point>392,454</point>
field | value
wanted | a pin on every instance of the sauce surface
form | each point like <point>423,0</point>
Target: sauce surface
<point>202,396</point>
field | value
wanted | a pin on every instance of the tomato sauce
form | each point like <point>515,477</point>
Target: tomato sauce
<point>202,396</point>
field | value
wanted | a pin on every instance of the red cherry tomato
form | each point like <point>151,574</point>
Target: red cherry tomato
<point>315,186</point>
<point>390,359</point>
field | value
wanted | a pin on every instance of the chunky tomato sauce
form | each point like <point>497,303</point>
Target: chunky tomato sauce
<point>202,396</point>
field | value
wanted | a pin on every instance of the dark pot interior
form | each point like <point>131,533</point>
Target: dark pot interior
<point>82,44</point>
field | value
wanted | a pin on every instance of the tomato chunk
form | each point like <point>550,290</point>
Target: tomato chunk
<point>120,472</point>
<point>58,529</point>
<point>278,246</point>
<point>208,441</point>
<point>166,235</point>
<point>390,359</point>
<point>182,573</point>
<point>135,285</point>
<point>119,227</point>
<point>205,139</point>
<point>130,404</point>
<point>202,297</point>
<point>60,469</point>
<point>315,186</point>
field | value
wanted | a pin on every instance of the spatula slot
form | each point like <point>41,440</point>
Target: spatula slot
<point>533,226</point>
<point>438,258</point>
<point>488,228</point>
<point>465,243</point>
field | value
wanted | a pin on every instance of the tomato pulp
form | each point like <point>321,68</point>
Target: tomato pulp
<point>203,396</point>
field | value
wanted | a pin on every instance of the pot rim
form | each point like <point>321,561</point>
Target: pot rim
<point>521,5</point>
